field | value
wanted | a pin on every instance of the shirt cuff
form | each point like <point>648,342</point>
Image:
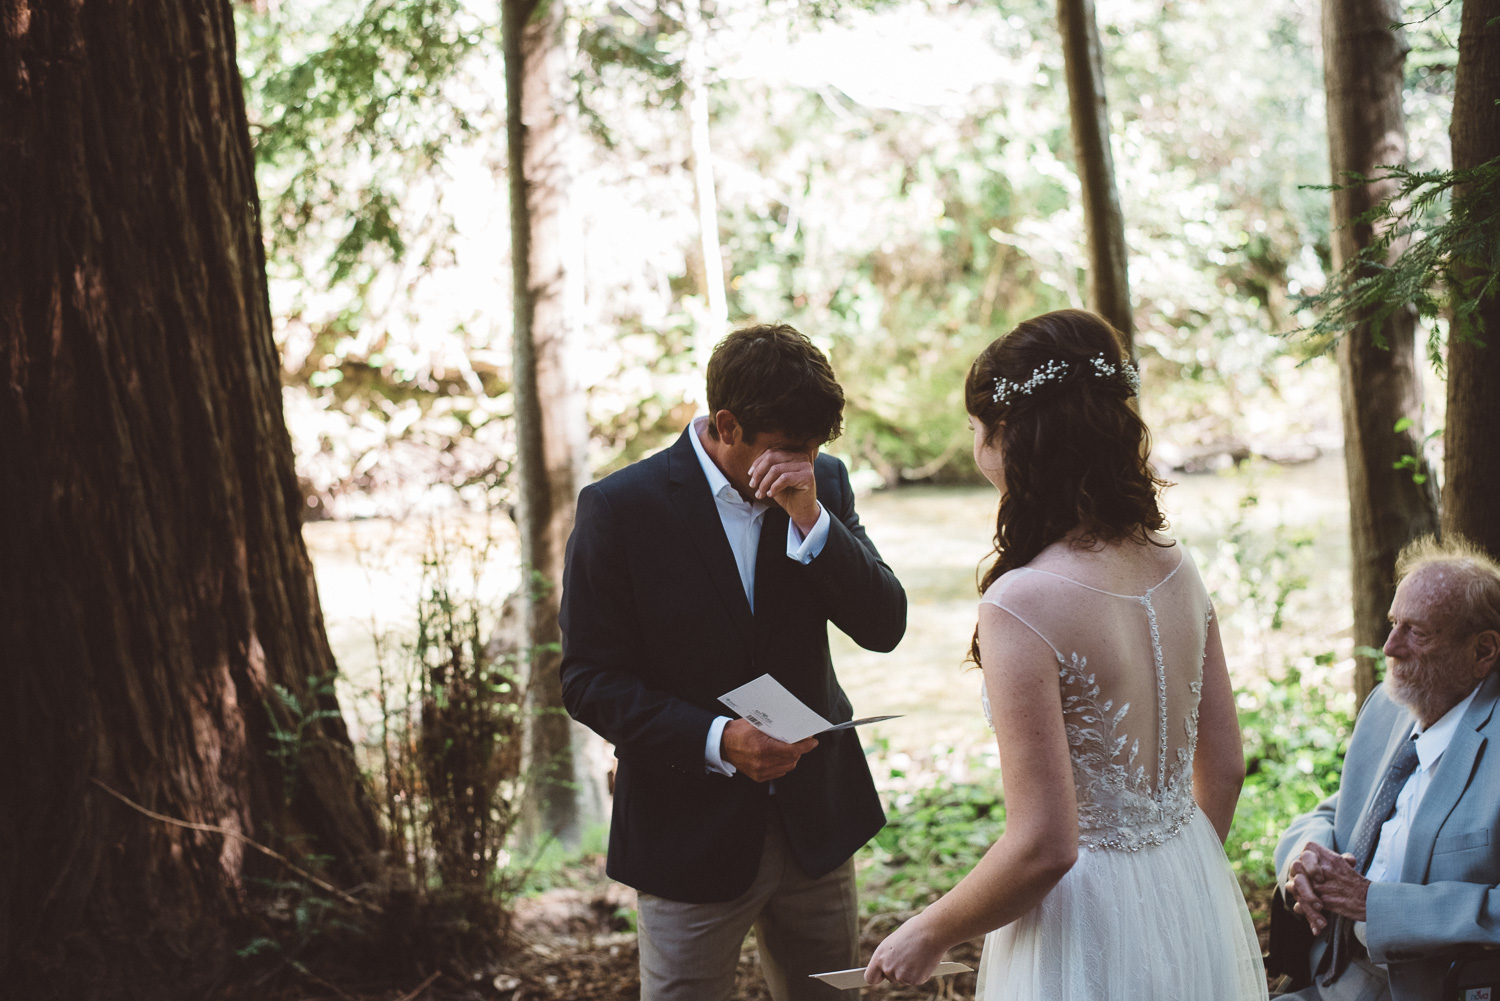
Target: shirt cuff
<point>804,550</point>
<point>712,762</point>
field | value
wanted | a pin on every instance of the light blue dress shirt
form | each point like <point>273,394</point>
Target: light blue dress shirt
<point>742,520</point>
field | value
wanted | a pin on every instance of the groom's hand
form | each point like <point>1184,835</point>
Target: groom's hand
<point>787,478</point>
<point>758,755</point>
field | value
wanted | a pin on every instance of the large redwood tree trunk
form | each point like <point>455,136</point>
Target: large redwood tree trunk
<point>1471,485</point>
<point>1104,222</point>
<point>550,431</point>
<point>154,588</point>
<point>1363,61</point>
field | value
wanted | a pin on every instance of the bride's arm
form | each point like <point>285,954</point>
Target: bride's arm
<point>1040,843</point>
<point>1219,762</point>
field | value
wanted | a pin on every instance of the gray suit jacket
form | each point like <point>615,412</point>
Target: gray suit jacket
<point>1449,896</point>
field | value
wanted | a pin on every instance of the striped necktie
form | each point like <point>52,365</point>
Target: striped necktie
<point>1362,847</point>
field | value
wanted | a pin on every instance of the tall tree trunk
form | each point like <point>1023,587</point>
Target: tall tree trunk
<point>711,326</point>
<point>549,417</point>
<point>1109,281</point>
<point>1471,482</point>
<point>155,594</point>
<point>1363,61</point>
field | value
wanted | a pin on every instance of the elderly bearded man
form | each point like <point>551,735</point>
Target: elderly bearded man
<point>1398,870</point>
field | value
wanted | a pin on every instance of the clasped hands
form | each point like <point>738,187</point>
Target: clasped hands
<point>1321,880</point>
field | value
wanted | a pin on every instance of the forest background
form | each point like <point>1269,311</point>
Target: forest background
<point>896,179</point>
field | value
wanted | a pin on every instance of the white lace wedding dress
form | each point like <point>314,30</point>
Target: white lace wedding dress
<point>1151,910</point>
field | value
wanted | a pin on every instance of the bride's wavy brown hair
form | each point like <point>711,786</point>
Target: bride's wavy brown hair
<point>1075,450</point>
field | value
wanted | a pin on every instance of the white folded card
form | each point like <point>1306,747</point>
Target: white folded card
<point>777,712</point>
<point>846,979</point>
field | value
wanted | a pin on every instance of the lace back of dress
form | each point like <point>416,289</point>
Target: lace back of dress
<point>1130,669</point>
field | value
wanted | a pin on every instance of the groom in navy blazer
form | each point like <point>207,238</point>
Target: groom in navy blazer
<point>689,573</point>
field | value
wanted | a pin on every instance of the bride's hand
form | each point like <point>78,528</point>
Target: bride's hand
<point>907,956</point>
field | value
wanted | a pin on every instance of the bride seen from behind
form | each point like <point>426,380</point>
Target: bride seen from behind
<point>1105,682</point>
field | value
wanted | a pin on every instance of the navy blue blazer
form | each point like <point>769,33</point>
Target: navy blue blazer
<point>656,627</point>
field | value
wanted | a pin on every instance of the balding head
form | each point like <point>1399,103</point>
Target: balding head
<point>1467,573</point>
<point>1445,626</point>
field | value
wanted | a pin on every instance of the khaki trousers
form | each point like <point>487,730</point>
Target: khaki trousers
<point>689,951</point>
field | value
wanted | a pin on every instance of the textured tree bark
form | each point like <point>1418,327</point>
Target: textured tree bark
<point>1109,280</point>
<point>1471,482</point>
<point>154,588</point>
<point>1363,60</point>
<point>550,428</point>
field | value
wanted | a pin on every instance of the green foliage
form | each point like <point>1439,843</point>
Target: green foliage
<point>1269,570</point>
<point>893,178</point>
<point>550,864</point>
<point>437,734</point>
<point>294,725</point>
<point>348,103</point>
<point>362,113</point>
<point>1295,730</point>
<point>1295,714</point>
<point>443,749</point>
<point>1416,464</point>
<point>1446,250</point>
<point>937,828</point>
<point>256,946</point>
<point>469,731</point>
<point>637,44</point>
<point>905,225</point>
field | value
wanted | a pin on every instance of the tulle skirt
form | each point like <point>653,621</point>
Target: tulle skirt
<point>1165,923</point>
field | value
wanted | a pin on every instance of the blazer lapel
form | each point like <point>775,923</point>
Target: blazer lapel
<point>700,520</point>
<point>1454,771</point>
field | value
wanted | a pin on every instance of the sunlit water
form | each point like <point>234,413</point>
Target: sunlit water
<point>935,539</point>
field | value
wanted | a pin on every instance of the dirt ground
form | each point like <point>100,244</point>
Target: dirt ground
<point>574,944</point>
<point>570,945</point>
<point>565,952</point>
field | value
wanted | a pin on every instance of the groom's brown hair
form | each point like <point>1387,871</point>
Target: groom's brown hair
<point>772,378</point>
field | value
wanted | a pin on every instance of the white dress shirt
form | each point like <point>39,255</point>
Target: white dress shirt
<point>1390,846</point>
<point>742,520</point>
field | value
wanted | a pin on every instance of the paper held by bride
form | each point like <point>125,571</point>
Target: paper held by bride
<point>778,713</point>
<point>847,979</point>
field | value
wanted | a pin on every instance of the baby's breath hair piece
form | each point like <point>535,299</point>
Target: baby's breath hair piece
<point>1006,392</point>
<point>1125,370</point>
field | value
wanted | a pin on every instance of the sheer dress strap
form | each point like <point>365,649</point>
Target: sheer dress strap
<point>1181,556</point>
<point>987,600</point>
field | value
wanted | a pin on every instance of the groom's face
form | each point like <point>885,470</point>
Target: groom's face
<point>737,452</point>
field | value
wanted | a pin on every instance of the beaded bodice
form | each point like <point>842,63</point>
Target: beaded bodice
<point>1130,671</point>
